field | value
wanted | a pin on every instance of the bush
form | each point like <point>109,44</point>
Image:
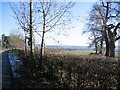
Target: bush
<point>67,71</point>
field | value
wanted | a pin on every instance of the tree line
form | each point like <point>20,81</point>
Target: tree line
<point>14,40</point>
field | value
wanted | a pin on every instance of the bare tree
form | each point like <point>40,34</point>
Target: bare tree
<point>110,16</point>
<point>21,14</point>
<point>94,27</point>
<point>107,13</point>
<point>95,39</point>
<point>51,16</point>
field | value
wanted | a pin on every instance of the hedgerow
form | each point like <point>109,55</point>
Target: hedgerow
<point>68,71</point>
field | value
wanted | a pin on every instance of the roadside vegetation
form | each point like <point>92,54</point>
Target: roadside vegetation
<point>60,70</point>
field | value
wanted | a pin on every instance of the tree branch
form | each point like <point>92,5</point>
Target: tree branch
<point>117,38</point>
<point>56,21</point>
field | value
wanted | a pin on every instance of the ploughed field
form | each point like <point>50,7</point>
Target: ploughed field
<point>64,70</point>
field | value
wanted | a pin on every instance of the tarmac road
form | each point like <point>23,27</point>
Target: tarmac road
<point>8,82</point>
<point>6,72</point>
<point>6,77</point>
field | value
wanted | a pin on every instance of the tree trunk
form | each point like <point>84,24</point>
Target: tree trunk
<point>107,48</point>
<point>25,45</point>
<point>112,50</point>
<point>112,44</point>
<point>101,46</point>
<point>42,49</point>
<point>96,47</point>
<point>107,43</point>
<point>106,31</point>
<point>42,42</point>
<point>24,14</point>
<point>112,36</point>
<point>31,32</point>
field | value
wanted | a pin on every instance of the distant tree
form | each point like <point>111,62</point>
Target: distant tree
<point>6,41</point>
<point>95,41</point>
<point>16,40</point>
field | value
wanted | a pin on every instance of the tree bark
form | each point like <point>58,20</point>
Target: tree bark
<point>25,45</point>
<point>107,48</point>
<point>96,47</point>
<point>112,50</point>
<point>101,46</point>
<point>42,49</point>
<point>107,43</point>
<point>106,31</point>
<point>43,35</point>
<point>31,32</point>
<point>112,44</point>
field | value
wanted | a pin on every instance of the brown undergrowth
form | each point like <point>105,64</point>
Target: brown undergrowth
<point>65,71</point>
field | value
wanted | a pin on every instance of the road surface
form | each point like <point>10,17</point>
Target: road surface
<point>6,78</point>
<point>6,72</point>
